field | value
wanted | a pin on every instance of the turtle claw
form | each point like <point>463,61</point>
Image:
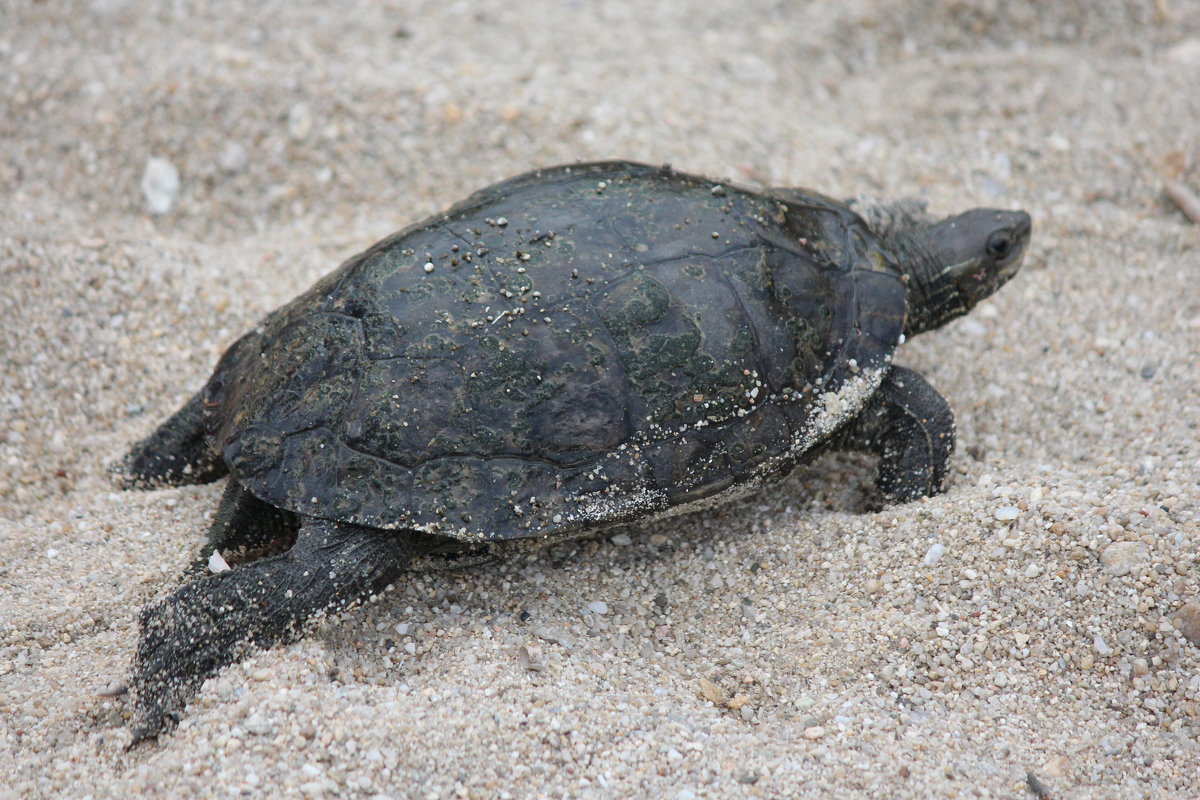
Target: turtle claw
<point>150,720</point>
<point>142,733</point>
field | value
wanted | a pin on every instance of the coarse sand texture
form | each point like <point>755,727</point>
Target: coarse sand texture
<point>171,173</point>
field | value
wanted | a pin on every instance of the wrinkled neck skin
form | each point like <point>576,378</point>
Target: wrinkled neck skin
<point>933,297</point>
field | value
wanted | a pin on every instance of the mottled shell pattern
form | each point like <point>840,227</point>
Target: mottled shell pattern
<point>571,348</point>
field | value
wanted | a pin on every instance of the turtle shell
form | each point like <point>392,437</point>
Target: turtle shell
<point>574,347</point>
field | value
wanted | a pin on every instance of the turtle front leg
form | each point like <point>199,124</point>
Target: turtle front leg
<point>911,428</point>
<point>174,455</point>
<point>207,624</point>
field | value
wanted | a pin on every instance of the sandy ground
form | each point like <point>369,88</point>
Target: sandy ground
<point>791,645</point>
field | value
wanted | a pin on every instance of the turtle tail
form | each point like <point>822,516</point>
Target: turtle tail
<point>176,454</point>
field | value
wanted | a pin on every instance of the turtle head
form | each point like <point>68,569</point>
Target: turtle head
<point>967,257</point>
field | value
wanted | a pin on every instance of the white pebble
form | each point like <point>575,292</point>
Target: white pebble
<point>233,158</point>
<point>1101,646</point>
<point>429,266</point>
<point>598,607</point>
<point>258,725</point>
<point>216,563</point>
<point>1121,558</point>
<point>973,326</point>
<point>621,540</point>
<point>403,628</point>
<point>1006,513</point>
<point>160,185</point>
<point>934,554</point>
<point>299,121</point>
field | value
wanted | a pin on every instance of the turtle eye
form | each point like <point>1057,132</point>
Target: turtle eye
<point>999,245</point>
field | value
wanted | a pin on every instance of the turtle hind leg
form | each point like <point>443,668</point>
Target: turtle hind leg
<point>911,428</point>
<point>174,455</point>
<point>244,524</point>
<point>210,623</point>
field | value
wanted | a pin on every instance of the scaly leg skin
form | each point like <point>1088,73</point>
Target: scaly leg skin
<point>242,522</point>
<point>911,428</point>
<point>174,455</point>
<point>211,623</point>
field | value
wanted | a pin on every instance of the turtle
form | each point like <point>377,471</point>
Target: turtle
<point>575,348</point>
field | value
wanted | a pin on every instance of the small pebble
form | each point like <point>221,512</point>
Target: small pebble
<point>233,158</point>
<point>1101,646</point>
<point>531,658</point>
<point>1036,786</point>
<point>217,563</point>
<point>622,540</point>
<point>815,732</point>
<point>1007,513</point>
<point>598,607</point>
<point>299,121</point>
<point>160,185</point>
<point>1057,767</point>
<point>1187,620</point>
<point>1121,558</point>
<point>972,326</point>
<point>934,554</point>
<point>258,725</point>
<point>711,692</point>
<point>1185,53</point>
